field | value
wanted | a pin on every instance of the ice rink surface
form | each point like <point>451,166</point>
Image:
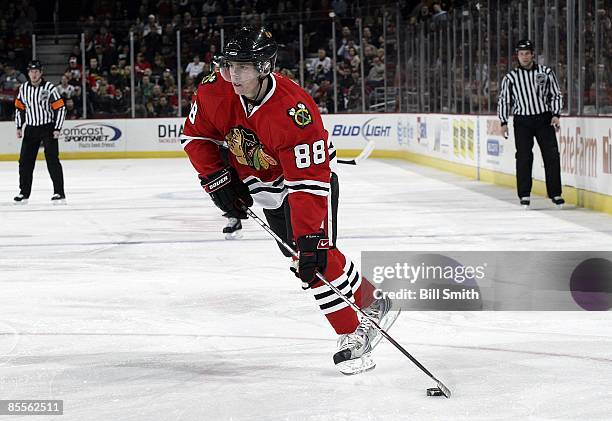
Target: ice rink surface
<point>128,304</point>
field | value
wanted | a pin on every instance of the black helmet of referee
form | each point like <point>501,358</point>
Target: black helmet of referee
<point>35,65</point>
<point>524,44</point>
<point>250,45</point>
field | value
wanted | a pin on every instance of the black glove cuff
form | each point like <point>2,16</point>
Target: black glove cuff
<point>217,180</point>
<point>313,242</point>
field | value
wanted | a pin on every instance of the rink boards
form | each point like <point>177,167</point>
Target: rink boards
<point>469,145</point>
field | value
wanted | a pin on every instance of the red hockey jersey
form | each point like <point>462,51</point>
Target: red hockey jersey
<point>278,148</point>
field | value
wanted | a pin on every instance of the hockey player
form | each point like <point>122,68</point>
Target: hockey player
<point>281,158</point>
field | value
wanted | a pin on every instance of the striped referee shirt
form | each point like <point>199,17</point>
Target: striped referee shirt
<point>38,105</point>
<point>529,92</point>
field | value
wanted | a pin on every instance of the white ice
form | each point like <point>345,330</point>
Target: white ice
<point>128,304</point>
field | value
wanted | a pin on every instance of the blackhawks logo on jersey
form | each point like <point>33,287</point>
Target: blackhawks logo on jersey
<point>243,143</point>
<point>300,115</point>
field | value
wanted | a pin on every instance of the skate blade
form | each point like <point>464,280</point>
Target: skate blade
<point>59,202</point>
<point>559,206</point>
<point>23,202</point>
<point>236,235</point>
<point>357,365</point>
<point>386,324</point>
<point>526,207</point>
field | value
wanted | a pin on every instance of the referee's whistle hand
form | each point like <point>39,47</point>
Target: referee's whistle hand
<point>555,123</point>
<point>505,132</point>
<point>19,134</point>
<point>56,134</point>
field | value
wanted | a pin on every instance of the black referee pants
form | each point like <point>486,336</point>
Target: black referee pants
<point>32,138</point>
<point>525,129</point>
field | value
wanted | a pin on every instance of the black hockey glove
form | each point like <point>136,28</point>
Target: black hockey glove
<point>312,255</point>
<point>228,192</point>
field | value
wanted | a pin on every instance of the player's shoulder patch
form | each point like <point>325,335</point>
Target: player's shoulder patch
<point>300,115</point>
<point>209,78</point>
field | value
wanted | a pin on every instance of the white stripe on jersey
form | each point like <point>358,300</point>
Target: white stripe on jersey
<point>267,194</point>
<point>185,140</point>
<point>317,188</point>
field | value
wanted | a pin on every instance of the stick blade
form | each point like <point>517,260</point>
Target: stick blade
<point>445,390</point>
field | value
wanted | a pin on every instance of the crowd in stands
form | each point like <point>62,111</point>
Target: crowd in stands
<point>365,63</point>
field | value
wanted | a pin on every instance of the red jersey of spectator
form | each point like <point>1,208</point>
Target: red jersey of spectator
<point>141,64</point>
<point>279,147</point>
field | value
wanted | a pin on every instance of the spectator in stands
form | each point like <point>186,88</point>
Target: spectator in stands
<point>167,80</point>
<point>189,88</point>
<point>195,67</point>
<point>119,104</point>
<point>116,78</point>
<point>321,67</point>
<point>343,51</point>
<point>354,59</point>
<point>163,108</point>
<point>94,74</point>
<point>188,25</point>
<point>75,71</point>
<point>368,38</point>
<point>72,113</point>
<point>376,75</point>
<point>141,65</point>
<point>105,57</point>
<point>152,26</point>
<point>122,63</point>
<point>158,67</point>
<point>105,38</point>
<point>65,89</point>
<point>439,16</point>
<point>210,54</point>
<point>145,90</point>
<point>9,85</point>
<point>12,78</point>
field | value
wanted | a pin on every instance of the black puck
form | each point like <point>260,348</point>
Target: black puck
<point>434,391</point>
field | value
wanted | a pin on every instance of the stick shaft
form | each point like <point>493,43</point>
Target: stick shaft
<point>350,303</point>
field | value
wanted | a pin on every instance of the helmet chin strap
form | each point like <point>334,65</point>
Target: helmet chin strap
<point>261,81</point>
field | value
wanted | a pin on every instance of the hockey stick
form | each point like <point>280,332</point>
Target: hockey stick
<point>445,390</point>
<point>362,156</point>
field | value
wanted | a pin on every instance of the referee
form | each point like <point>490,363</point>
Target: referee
<point>533,93</point>
<point>39,107</point>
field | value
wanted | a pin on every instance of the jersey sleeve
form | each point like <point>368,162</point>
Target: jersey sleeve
<point>19,109</point>
<point>555,97</point>
<point>304,156</point>
<point>200,138</point>
<point>59,108</point>
<point>503,103</point>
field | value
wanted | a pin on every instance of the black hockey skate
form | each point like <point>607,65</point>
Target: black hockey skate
<point>525,202</point>
<point>58,199</point>
<point>233,229</point>
<point>558,201</point>
<point>20,199</point>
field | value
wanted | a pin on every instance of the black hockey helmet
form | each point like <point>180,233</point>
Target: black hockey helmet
<point>251,45</point>
<point>35,65</point>
<point>524,44</point>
